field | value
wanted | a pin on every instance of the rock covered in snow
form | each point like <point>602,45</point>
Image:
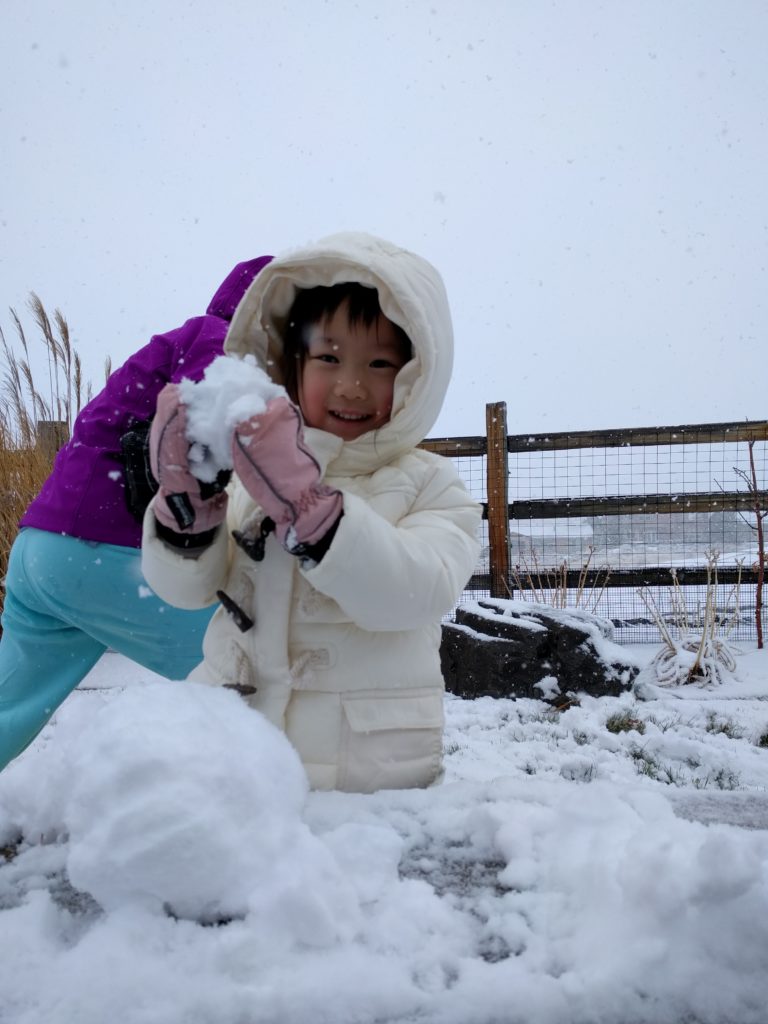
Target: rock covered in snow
<point>504,648</point>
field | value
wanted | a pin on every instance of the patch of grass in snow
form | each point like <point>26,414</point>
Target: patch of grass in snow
<point>668,747</point>
<point>723,778</point>
<point>723,726</point>
<point>675,775</point>
<point>624,721</point>
<point>672,776</point>
<point>664,724</point>
<point>645,763</point>
<point>763,740</point>
<point>652,768</point>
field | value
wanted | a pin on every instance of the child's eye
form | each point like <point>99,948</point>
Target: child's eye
<point>383,364</point>
<point>327,357</point>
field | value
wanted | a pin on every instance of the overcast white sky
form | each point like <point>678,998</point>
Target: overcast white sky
<point>590,178</point>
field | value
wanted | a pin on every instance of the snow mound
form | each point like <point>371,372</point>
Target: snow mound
<point>186,800</point>
<point>232,390</point>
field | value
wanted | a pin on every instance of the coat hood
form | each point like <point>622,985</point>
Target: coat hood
<point>411,294</point>
<point>232,288</point>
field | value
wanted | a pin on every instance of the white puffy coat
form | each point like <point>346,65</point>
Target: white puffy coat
<point>344,654</point>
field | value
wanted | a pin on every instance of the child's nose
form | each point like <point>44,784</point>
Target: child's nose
<point>350,385</point>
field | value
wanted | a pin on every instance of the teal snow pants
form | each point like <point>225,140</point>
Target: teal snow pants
<point>66,602</point>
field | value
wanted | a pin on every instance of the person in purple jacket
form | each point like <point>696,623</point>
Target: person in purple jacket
<point>74,587</point>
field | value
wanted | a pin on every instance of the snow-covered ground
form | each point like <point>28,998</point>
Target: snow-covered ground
<point>163,863</point>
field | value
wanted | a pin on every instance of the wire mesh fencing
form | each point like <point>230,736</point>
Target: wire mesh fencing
<point>597,519</point>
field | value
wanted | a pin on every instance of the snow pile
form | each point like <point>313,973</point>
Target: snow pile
<point>232,390</point>
<point>184,800</point>
<point>550,877</point>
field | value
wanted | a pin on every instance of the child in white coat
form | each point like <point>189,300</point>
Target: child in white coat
<point>339,544</point>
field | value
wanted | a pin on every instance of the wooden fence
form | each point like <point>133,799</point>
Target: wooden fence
<point>707,451</point>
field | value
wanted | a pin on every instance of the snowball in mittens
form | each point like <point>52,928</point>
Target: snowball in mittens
<point>231,391</point>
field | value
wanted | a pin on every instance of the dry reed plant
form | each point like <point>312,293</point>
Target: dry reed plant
<point>703,654</point>
<point>34,420</point>
<point>546,585</point>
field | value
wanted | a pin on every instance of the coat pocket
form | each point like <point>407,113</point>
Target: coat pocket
<point>390,740</point>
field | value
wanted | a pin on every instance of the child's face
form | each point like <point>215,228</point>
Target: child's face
<point>348,377</point>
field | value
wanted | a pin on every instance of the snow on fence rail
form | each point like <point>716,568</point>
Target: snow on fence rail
<point>590,517</point>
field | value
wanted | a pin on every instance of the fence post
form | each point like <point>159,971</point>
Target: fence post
<point>498,502</point>
<point>51,435</point>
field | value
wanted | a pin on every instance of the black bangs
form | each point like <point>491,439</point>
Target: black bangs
<point>313,305</point>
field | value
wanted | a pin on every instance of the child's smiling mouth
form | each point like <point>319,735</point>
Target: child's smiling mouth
<point>350,417</point>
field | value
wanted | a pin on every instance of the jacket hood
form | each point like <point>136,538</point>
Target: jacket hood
<point>231,290</point>
<point>411,294</point>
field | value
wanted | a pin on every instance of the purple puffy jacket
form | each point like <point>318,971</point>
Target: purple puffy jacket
<point>85,495</point>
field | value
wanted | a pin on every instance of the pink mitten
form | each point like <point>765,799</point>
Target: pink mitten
<point>281,474</point>
<point>179,505</point>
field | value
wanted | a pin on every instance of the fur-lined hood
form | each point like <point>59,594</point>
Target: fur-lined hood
<point>411,294</point>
